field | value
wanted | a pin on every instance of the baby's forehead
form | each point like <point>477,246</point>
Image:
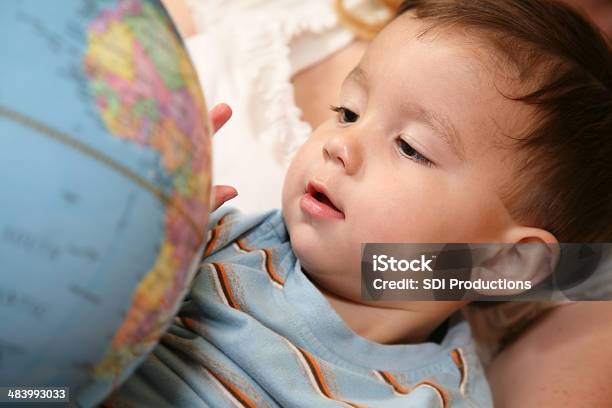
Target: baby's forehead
<point>451,80</point>
<point>478,49</point>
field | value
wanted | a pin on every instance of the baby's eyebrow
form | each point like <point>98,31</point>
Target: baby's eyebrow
<point>358,75</point>
<point>438,123</point>
<point>442,126</point>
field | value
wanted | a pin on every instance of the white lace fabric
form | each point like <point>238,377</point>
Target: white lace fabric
<point>245,54</point>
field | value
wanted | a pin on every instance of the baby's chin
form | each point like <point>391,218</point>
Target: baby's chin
<point>336,284</point>
<point>303,251</point>
<point>308,253</point>
<point>327,272</point>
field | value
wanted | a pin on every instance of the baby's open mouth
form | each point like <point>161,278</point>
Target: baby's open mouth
<point>323,198</point>
<point>316,202</point>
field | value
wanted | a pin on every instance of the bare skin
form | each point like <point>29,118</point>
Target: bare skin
<point>565,352</point>
<point>563,359</point>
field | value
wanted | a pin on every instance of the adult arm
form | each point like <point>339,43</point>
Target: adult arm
<point>564,359</point>
<point>181,14</point>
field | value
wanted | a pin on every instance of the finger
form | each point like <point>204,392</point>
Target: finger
<point>221,194</point>
<point>219,115</point>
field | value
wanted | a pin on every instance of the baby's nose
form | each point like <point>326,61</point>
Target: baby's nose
<point>345,151</point>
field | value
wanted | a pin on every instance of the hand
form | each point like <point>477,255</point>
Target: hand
<point>219,115</point>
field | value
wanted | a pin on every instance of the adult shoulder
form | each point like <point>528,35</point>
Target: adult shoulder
<point>563,359</point>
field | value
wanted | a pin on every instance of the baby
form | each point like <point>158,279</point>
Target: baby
<point>465,121</point>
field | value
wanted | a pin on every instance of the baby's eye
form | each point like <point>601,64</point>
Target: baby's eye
<point>411,153</point>
<point>345,115</point>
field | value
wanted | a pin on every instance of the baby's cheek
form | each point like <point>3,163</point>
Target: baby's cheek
<point>393,226</point>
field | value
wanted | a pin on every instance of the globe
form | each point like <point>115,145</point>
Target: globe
<point>104,199</point>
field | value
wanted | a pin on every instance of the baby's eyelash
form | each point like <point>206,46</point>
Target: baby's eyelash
<point>345,115</point>
<point>410,152</point>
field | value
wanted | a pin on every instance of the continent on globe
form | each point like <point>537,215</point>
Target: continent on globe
<point>146,92</point>
<point>106,139</point>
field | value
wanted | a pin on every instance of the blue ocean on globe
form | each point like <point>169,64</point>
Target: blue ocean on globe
<point>98,165</point>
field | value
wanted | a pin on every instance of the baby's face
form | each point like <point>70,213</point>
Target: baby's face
<point>413,156</point>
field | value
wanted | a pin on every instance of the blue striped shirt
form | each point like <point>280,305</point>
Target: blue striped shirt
<point>253,331</point>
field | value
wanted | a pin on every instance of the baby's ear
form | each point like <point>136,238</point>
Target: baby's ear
<point>531,258</point>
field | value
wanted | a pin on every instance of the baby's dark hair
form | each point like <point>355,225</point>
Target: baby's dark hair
<point>564,183</point>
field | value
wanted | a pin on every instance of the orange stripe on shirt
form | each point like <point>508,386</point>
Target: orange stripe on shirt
<point>441,392</point>
<point>216,232</point>
<point>392,381</point>
<point>458,360</point>
<point>270,268</point>
<point>268,254</point>
<point>242,245</point>
<point>226,285</point>
<point>320,378</point>
<point>236,392</point>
